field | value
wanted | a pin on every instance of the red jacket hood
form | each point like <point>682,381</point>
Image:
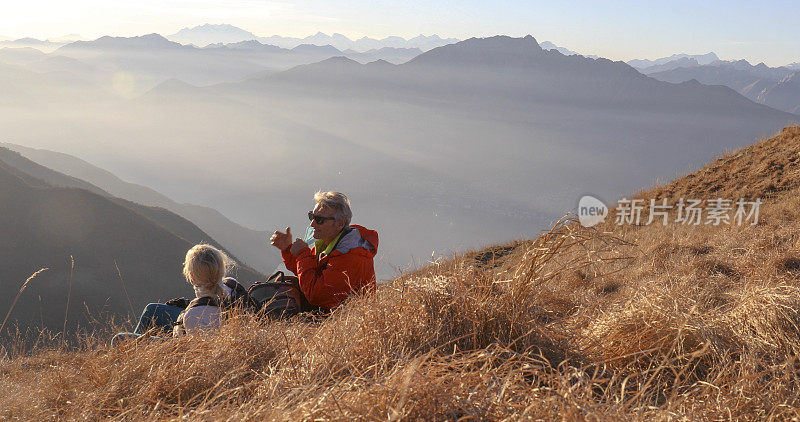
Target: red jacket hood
<point>360,237</point>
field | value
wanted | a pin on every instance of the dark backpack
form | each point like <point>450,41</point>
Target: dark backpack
<point>238,297</point>
<point>279,297</point>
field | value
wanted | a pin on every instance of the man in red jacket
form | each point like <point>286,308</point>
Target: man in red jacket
<point>340,263</point>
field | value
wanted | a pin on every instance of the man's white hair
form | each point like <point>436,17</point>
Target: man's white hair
<point>336,201</point>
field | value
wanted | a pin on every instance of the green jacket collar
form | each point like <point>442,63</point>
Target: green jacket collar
<point>321,247</point>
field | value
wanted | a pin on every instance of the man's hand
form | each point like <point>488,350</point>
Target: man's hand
<point>281,240</point>
<point>297,246</point>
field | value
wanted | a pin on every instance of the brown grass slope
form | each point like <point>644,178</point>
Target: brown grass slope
<point>606,323</point>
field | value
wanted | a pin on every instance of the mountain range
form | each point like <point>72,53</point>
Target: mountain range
<point>249,245</point>
<point>470,143</point>
<point>701,59</point>
<point>547,45</point>
<point>105,256</point>
<point>204,35</point>
<point>783,95</point>
<point>775,87</point>
<point>42,45</point>
<point>130,66</point>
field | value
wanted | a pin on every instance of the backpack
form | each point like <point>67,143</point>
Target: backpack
<point>279,297</point>
<point>238,297</point>
<point>200,301</point>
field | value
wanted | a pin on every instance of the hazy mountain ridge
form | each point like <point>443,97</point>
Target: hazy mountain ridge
<point>547,45</point>
<point>754,82</point>
<point>519,67</point>
<point>121,250</point>
<point>674,64</point>
<point>699,58</point>
<point>785,95</point>
<point>249,245</point>
<point>204,35</point>
<point>22,86</point>
<point>149,41</point>
<point>131,66</point>
<point>20,55</point>
<point>37,175</point>
<point>42,45</point>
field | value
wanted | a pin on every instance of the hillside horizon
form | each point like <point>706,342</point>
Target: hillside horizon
<point>226,33</point>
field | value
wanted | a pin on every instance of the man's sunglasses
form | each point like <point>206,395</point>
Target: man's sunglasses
<point>318,218</point>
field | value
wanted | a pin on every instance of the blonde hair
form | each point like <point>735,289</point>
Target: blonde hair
<point>205,266</point>
<point>336,201</point>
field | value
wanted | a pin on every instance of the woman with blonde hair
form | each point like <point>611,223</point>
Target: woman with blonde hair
<point>204,268</point>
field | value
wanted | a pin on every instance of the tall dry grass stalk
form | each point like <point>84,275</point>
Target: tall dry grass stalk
<point>125,289</point>
<point>19,292</point>
<point>69,296</point>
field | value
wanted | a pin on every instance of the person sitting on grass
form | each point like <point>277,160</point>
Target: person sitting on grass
<point>341,261</point>
<point>204,268</point>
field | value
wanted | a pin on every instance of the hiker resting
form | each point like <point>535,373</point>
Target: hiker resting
<point>204,269</point>
<point>341,261</point>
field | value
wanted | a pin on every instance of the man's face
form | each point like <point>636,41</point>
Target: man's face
<point>330,228</point>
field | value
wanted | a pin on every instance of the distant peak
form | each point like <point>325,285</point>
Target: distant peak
<point>317,48</point>
<point>490,51</point>
<point>527,41</point>
<point>329,66</point>
<point>379,62</point>
<point>153,36</point>
<point>341,60</point>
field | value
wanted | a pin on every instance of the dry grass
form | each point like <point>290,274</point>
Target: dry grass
<point>606,323</point>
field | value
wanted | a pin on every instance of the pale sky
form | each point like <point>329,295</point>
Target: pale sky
<point>765,31</point>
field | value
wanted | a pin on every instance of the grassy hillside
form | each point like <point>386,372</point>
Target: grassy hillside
<point>631,322</point>
<point>105,256</point>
